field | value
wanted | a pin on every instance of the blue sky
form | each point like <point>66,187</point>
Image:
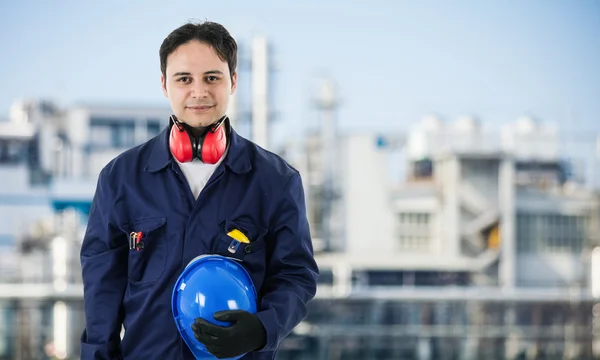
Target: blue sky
<point>394,61</point>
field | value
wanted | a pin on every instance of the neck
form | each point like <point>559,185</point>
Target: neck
<point>196,132</point>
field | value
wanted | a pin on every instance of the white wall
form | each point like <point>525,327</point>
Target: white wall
<point>549,269</point>
<point>78,129</point>
<point>19,204</point>
<point>367,206</point>
<point>14,179</point>
<point>532,202</point>
<point>98,160</point>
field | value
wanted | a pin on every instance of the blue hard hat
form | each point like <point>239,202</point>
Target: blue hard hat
<point>208,284</point>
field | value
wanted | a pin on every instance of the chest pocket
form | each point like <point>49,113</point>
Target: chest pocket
<point>252,254</point>
<point>147,260</point>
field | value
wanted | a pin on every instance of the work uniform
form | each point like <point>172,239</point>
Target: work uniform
<point>144,192</point>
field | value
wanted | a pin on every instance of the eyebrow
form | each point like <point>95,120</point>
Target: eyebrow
<point>209,72</point>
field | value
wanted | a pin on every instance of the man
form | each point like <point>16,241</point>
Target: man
<point>158,206</point>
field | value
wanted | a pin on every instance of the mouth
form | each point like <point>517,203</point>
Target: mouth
<point>200,108</point>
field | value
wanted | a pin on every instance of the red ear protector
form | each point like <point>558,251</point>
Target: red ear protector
<point>209,148</point>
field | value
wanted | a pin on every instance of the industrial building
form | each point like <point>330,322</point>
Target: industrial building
<point>447,241</point>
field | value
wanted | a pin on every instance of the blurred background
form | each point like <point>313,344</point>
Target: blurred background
<point>450,154</point>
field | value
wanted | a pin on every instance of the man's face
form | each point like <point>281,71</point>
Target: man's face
<point>197,84</point>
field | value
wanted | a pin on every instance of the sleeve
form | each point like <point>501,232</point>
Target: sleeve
<point>104,271</point>
<point>291,278</point>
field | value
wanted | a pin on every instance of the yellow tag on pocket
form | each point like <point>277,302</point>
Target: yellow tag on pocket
<point>239,236</point>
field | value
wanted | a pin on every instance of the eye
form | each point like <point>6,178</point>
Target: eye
<point>212,78</point>
<point>184,79</point>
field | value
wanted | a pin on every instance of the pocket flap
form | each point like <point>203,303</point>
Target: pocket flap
<point>145,225</point>
<point>252,232</point>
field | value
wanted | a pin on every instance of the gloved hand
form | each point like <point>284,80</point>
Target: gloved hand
<point>246,334</point>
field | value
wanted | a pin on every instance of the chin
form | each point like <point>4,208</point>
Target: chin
<point>199,121</point>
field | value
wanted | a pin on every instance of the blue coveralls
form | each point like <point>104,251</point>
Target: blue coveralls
<point>144,190</point>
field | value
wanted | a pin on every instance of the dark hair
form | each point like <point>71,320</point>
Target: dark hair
<point>207,32</point>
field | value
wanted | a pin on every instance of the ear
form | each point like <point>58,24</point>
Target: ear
<point>163,85</point>
<point>233,83</point>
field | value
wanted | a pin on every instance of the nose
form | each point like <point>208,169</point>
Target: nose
<point>199,90</point>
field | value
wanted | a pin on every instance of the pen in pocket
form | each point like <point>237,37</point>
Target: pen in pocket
<point>134,240</point>
<point>238,238</point>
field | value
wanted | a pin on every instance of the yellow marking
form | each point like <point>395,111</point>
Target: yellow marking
<point>494,238</point>
<point>238,235</point>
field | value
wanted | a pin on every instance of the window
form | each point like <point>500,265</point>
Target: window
<point>423,169</point>
<point>112,132</point>
<point>325,277</point>
<point>123,135</point>
<point>385,277</point>
<point>551,233</point>
<point>100,136</point>
<point>414,231</point>
<point>13,151</point>
<point>153,127</point>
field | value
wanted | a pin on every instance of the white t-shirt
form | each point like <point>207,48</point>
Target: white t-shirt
<point>198,173</point>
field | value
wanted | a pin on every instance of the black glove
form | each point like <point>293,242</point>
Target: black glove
<point>246,334</point>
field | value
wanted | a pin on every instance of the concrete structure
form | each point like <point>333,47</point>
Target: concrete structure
<point>484,248</point>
